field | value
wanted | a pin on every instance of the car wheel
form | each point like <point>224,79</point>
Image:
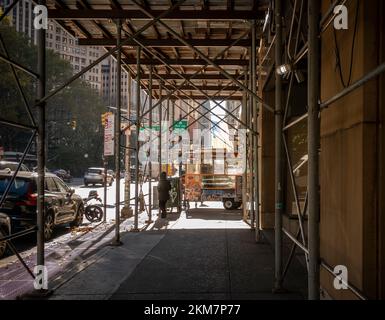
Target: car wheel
<point>49,225</point>
<point>228,204</point>
<point>3,244</point>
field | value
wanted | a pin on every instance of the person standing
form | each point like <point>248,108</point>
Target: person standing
<point>164,187</point>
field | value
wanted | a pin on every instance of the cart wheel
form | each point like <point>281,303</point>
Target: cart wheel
<point>229,204</point>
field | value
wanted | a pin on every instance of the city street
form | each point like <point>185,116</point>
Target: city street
<point>262,122</point>
<point>68,247</point>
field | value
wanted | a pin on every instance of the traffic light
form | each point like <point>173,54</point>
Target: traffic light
<point>104,116</point>
<point>73,124</point>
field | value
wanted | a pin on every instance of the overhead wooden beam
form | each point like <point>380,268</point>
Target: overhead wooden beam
<point>204,98</point>
<point>104,14</point>
<point>189,62</point>
<point>204,87</point>
<point>166,42</point>
<point>188,76</point>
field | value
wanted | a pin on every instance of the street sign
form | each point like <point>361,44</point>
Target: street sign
<point>155,128</point>
<point>109,135</point>
<point>180,125</point>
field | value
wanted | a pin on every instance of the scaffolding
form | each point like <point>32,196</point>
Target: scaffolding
<point>124,30</point>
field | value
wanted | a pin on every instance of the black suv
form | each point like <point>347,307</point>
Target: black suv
<point>62,205</point>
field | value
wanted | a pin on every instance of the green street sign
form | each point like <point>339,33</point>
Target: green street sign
<point>155,128</point>
<point>180,125</point>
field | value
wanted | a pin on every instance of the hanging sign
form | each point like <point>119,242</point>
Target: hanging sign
<point>109,135</point>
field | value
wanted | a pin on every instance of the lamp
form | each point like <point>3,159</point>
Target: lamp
<point>284,70</point>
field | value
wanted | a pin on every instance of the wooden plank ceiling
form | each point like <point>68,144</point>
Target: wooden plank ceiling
<point>209,25</point>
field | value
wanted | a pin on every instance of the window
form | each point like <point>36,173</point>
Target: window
<point>61,186</point>
<point>19,186</point>
<point>50,185</point>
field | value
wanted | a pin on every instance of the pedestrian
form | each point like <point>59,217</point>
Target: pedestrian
<point>164,187</point>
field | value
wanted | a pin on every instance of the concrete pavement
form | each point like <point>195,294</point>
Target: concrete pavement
<point>208,254</point>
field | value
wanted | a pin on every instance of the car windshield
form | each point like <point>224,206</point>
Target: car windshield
<point>97,171</point>
<point>19,186</point>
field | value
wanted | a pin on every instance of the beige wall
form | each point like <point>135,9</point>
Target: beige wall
<point>349,155</point>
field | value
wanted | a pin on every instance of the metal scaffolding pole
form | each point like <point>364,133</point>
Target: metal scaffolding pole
<point>41,149</point>
<point>172,124</point>
<point>160,129</point>
<point>255,127</point>
<point>245,174</point>
<point>252,151</point>
<point>314,16</point>
<point>167,125</point>
<point>118,115</point>
<point>278,150</point>
<point>138,102</point>
<point>127,185</point>
<point>150,161</point>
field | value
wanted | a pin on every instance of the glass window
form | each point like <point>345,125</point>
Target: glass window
<point>61,186</point>
<point>19,186</point>
<point>50,185</point>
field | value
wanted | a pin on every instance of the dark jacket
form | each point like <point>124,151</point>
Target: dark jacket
<point>164,187</point>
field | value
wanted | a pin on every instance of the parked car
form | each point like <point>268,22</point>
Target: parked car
<point>64,175</point>
<point>5,230</point>
<point>96,176</point>
<point>62,205</point>
<point>4,165</point>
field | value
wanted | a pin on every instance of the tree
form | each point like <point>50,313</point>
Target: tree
<point>74,131</point>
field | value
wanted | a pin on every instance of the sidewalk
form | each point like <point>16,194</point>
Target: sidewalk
<point>210,254</point>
